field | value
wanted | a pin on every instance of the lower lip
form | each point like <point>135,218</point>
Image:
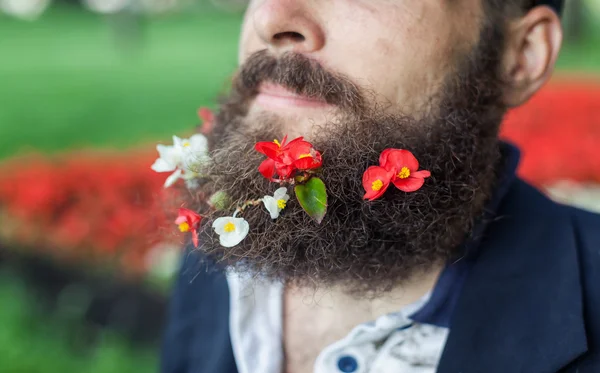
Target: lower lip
<point>266,99</point>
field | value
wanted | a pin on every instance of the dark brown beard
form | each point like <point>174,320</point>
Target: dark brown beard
<point>364,246</point>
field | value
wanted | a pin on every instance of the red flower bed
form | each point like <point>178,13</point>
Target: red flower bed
<point>108,209</point>
<point>558,132</point>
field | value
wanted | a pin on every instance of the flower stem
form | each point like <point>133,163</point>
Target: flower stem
<point>245,205</point>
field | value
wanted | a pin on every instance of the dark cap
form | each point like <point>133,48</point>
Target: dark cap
<point>554,4</point>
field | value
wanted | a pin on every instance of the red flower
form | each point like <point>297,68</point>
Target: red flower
<point>189,221</point>
<point>396,166</point>
<point>376,180</point>
<point>285,158</point>
<point>208,120</point>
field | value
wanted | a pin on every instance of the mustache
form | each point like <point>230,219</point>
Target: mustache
<point>301,75</point>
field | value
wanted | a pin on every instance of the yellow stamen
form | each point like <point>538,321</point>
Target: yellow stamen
<point>277,142</point>
<point>404,173</point>
<point>186,144</point>
<point>305,156</point>
<point>184,227</point>
<point>281,203</point>
<point>377,185</point>
<point>229,227</point>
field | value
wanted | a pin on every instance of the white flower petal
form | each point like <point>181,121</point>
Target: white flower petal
<point>281,193</point>
<point>198,142</point>
<point>177,142</point>
<point>219,224</point>
<point>231,239</point>
<point>170,155</point>
<point>168,152</point>
<point>172,179</point>
<point>193,161</point>
<point>197,151</point>
<point>160,165</point>
<point>271,206</point>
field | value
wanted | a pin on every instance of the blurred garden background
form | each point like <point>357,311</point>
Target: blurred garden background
<point>89,87</point>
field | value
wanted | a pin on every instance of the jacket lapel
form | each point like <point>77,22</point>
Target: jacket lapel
<point>521,307</point>
<point>197,337</point>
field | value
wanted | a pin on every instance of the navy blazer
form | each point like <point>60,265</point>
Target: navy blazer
<point>530,303</point>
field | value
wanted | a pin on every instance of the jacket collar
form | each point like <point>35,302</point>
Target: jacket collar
<point>439,309</point>
<point>520,309</point>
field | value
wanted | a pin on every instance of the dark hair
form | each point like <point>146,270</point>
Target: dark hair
<point>514,8</point>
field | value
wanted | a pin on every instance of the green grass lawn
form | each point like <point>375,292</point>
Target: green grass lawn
<point>66,82</point>
<point>69,81</point>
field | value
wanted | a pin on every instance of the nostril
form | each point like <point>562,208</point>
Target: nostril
<point>291,36</point>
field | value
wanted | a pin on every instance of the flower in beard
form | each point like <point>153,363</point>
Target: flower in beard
<point>231,230</point>
<point>376,180</point>
<point>277,202</point>
<point>284,158</point>
<point>189,221</point>
<point>404,167</point>
<point>398,167</point>
<point>181,158</point>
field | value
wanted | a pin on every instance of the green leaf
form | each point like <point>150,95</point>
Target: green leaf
<point>313,198</point>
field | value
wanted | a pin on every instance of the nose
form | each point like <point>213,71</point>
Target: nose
<point>288,26</point>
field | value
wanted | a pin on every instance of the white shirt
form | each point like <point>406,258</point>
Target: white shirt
<point>392,343</point>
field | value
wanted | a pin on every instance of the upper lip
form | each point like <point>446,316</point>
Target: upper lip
<point>273,89</point>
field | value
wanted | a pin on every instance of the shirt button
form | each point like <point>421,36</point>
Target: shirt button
<point>347,364</point>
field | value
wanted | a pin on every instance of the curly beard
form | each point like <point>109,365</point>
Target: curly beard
<point>363,246</point>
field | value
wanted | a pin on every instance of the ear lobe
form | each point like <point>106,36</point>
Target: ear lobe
<point>533,43</point>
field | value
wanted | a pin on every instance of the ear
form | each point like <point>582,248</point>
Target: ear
<point>532,47</point>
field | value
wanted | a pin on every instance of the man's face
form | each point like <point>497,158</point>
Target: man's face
<point>356,77</point>
<point>400,51</point>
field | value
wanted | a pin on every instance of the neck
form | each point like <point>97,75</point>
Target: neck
<point>366,307</point>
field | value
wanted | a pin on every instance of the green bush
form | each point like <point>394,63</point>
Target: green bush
<point>34,342</point>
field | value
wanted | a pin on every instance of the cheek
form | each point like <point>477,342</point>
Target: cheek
<point>402,65</point>
<point>249,39</point>
<point>414,70</point>
<point>408,62</point>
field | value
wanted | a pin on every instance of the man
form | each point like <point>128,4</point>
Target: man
<point>468,269</point>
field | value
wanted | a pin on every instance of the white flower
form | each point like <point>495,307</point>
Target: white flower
<point>231,230</point>
<point>277,202</point>
<point>172,179</point>
<point>181,157</point>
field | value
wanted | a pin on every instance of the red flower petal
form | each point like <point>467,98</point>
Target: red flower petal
<point>195,237</point>
<point>291,143</point>
<point>395,159</point>
<point>189,216</point>
<point>181,219</point>
<point>208,120</point>
<point>421,174</point>
<point>206,114</point>
<point>376,180</point>
<point>297,148</point>
<point>284,171</point>
<point>408,185</point>
<point>267,168</point>
<point>270,149</point>
<point>383,157</point>
<point>309,162</point>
